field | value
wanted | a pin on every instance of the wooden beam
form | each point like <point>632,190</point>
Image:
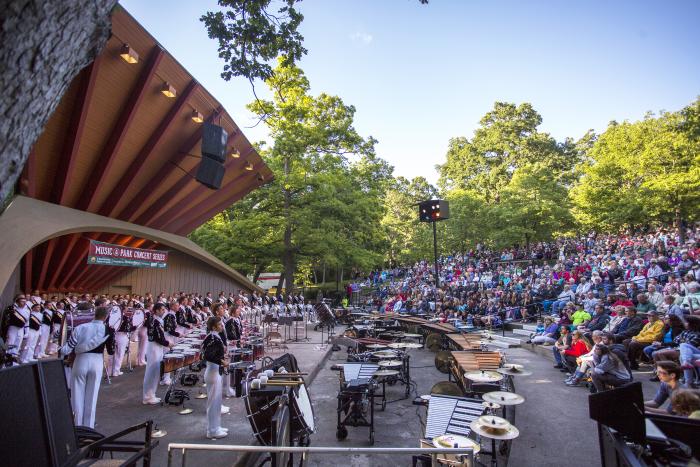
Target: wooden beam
<point>50,247</point>
<point>122,186</point>
<point>198,189</point>
<point>187,221</point>
<point>77,256</point>
<point>118,133</point>
<point>74,135</point>
<point>27,272</point>
<point>163,173</point>
<point>66,244</point>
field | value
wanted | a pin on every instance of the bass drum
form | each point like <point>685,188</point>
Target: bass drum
<point>261,408</point>
<point>115,318</point>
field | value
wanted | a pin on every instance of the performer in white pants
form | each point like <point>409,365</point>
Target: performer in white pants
<point>214,353</point>
<point>56,321</point>
<point>88,341</point>
<point>41,349</point>
<point>121,341</point>
<point>170,329</point>
<point>32,332</point>
<point>142,334</point>
<point>17,321</point>
<point>157,344</point>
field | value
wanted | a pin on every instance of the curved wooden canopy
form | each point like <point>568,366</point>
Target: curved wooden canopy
<point>118,147</point>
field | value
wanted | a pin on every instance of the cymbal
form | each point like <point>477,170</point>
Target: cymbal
<point>494,422</point>
<point>451,441</point>
<point>385,354</point>
<point>491,405</point>
<point>398,345</point>
<point>483,376</point>
<point>510,432</point>
<point>503,398</point>
<point>514,370</point>
<point>447,388</point>
<point>376,346</point>
<point>390,363</point>
<point>411,336</point>
<point>385,373</point>
<point>412,345</point>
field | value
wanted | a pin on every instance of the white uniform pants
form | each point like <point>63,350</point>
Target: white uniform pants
<point>85,384</point>
<point>14,337</point>
<point>30,344</point>
<point>154,355</point>
<point>142,334</point>
<point>213,380</point>
<point>43,341</point>
<point>121,341</point>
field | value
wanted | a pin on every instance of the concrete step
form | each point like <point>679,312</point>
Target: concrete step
<point>502,344</point>
<point>512,340</point>
<point>530,327</point>
<point>542,350</point>
<point>522,332</point>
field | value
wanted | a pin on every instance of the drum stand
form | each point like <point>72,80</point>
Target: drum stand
<point>104,365</point>
<point>127,354</point>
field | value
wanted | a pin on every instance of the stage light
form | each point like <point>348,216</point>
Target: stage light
<point>128,54</point>
<point>197,117</point>
<point>249,166</point>
<point>260,177</point>
<point>235,154</point>
<point>168,90</point>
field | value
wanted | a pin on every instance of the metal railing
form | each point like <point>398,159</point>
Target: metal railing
<point>466,453</point>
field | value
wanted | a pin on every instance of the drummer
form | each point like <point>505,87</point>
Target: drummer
<point>214,353</point>
<point>157,344</point>
<point>220,312</point>
<point>121,340</point>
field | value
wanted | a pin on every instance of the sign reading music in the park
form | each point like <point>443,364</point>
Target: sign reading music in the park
<point>117,255</point>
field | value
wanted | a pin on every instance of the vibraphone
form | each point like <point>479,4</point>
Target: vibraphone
<point>356,398</point>
<point>440,328</point>
<point>463,341</point>
<point>451,415</point>
<point>465,361</point>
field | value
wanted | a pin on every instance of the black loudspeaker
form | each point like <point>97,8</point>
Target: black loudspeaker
<point>433,210</point>
<point>210,173</point>
<point>214,140</point>
<point>37,427</point>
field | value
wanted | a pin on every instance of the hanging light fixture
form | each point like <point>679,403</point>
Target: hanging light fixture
<point>249,166</point>
<point>197,117</point>
<point>235,154</point>
<point>260,177</point>
<point>168,90</point>
<point>128,54</point>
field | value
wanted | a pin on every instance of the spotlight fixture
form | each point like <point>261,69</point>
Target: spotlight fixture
<point>249,166</point>
<point>197,117</point>
<point>168,90</point>
<point>260,177</point>
<point>235,154</point>
<point>128,54</point>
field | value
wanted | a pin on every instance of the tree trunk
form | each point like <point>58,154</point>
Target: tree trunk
<point>288,260</point>
<point>43,46</point>
<point>323,278</point>
<point>678,221</point>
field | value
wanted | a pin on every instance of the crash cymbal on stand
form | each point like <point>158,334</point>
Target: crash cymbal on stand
<point>380,373</point>
<point>398,345</point>
<point>503,398</point>
<point>483,376</point>
<point>514,370</point>
<point>443,361</point>
<point>446,388</point>
<point>433,342</point>
<point>385,354</point>
<point>412,345</point>
<point>375,346</point>
<point>390,363</point>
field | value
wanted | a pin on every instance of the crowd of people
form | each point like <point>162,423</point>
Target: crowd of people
<point>606,304</point>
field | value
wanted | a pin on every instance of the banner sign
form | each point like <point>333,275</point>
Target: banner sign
<point>116,255</point>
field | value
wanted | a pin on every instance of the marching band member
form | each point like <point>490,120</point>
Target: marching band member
<point>170,328</point>
<point>220,312</point>
<point>190,316</point>
<point>208,301</point>
<point>56,321</point>
<point>41,349</point>
<point>121,340</point>
<point>88,342</point>
<point>181,315</point>
<point>214,353</point>
<point>32,332</point>
<point>157,344</point>
<point>17,322</point>
<point>142,334</point>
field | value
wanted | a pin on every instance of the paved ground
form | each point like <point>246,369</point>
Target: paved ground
<point>553,417</point>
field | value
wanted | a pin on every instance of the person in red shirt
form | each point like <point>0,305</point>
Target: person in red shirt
<point>577,348</point>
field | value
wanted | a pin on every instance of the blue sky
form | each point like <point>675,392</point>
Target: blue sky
<point>421,74</point>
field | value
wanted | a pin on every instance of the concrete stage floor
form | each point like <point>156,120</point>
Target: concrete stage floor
<point>554,416</point>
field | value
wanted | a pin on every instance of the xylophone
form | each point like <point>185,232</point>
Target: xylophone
<point>463,341</point>
<point>465,361</point>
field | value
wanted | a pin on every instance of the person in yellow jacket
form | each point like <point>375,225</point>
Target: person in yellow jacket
<point>651,332</point>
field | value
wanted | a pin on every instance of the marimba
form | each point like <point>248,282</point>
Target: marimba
<point>465,361</point>
<point>464,341</point>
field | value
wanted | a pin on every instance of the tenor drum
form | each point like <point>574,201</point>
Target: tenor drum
<point>241,355</point>
<point>258,350</point>
<point>190,357</point>
<point>137,319</point>
<point>115,318</point>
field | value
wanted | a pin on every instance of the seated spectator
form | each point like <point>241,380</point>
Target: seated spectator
<point>563,343</point>
<point>608,369</point>
<point>651,332</point>
<point>689,355</point>
<point>578,348</point>
<point>590,302</point>
<point>670,307</point>
<point>669,374</point>
<point>686,403</point>
<point>580,318</point>
<point>597,323</point>
<point>616,317</point>
<point>563,298</point>
<point>585,362</point>
<point>620,299</point>
<point>550,334</point>
<point>644,306</point>
<point>691,335</point>
<point>673,326</point>
<point>628,327</point>
<point>655,297</point>
<point>539,330</point>
<point>691,301</point>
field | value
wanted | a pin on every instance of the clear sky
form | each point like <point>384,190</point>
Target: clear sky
<point>421,74</point>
